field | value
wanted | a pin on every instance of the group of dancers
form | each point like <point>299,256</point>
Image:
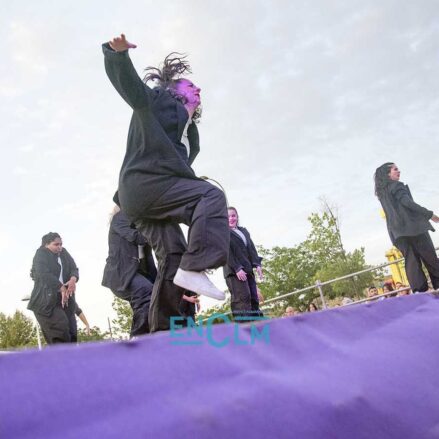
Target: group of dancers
<point>158,190</point>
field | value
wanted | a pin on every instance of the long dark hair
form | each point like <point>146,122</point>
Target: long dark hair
<point>174,66</point>
<point>382,179</point>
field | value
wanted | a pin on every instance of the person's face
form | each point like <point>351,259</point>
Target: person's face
<point>233,219</point>
<point>55,246</point>
<point>189,91</point>
<point>372,292</point>
<point>289,312</point>
<point>394,173</point>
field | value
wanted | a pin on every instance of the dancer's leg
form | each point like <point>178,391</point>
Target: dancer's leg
<point>413,265</point>
<point>425,248</point>
<point>168,243</point>
<point>140,290</point>
<point>202,207</point>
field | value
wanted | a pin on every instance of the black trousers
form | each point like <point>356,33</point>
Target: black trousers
<point>418,250</point>
<point>73,327</point>
<point>138,295</point>
<point>202,207</point>
<point>245,302</point>
<point>56,327</point>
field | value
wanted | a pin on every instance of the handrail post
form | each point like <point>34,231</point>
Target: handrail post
<point>319,287</point>
<point>38,337</point>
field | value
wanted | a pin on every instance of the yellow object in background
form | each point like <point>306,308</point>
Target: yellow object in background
<point>398,269</point>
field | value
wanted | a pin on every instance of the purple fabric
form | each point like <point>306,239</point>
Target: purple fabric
<point>364,371</point>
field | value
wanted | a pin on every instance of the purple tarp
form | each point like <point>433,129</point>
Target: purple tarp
<point>363,371</point>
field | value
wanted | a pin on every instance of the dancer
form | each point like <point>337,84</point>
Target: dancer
<point>157,187</point>
<point>238,272</point>
<point>125,274</point>
<point>52,300</point>
<point>408,225</point>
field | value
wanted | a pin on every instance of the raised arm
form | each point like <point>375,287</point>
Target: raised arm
<point>123,75</point>
<point>402,195</point>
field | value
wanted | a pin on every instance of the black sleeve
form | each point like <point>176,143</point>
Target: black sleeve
<point>256,260</point>
<point>78,311</point>
<point>233,261</point>
<point>402,195</point>
<point>40,271</point>
<point>122,226</point>
<point>73,269</point>
<point>126,81</point>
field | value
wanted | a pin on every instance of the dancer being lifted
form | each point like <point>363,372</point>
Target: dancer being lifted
<point>158,188</point>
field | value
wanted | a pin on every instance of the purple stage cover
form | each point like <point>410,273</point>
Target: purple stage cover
<point>363,371</point>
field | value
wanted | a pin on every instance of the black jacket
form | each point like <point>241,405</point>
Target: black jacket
<point>45,272</point>
<point>403,216</point>
<point>155,158</point>
<point>241,256</point>
<point>123,255</point>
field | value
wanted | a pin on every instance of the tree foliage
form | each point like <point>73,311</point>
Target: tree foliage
<point>121,325</point>
<point>95,335</point>
<point>321,257</point>
<point>17,331</point>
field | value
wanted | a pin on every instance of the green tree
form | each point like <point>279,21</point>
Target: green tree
<point>95,335</point>
<point>341,266</point>
<point>17,331</point>
<point>320,257</point>
<point>124,316</point>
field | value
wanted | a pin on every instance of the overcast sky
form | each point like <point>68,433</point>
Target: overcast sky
<point>300,100</point>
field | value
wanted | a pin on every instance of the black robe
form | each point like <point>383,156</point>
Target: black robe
<point>241,256</point>
<point>403,216</point>
<point>155,158</point>
<point>123,255</point>
<point>45,272</point>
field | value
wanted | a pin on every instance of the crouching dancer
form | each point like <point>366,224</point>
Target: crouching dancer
<point>158,188</point>
<point>128,275</point>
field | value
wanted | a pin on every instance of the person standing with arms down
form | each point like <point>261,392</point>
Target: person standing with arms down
<point>238,272</point>
<point>158,188</point>
<point>52,300</point>
<point>408,224</point>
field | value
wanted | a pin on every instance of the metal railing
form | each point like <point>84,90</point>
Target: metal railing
<point>318,285</point>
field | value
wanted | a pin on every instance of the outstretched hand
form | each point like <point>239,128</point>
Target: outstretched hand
<point>435,218</point>
<point>119,44</point>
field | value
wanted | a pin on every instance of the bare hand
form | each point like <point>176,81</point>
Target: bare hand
<point>71,286</point>
<point>241,275</point>
<point>435,218</point>
<point>191,299</point>
<point>260,274</point>
<point>87,330</point>
<point>64,296</point>
<point>119,44</point>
